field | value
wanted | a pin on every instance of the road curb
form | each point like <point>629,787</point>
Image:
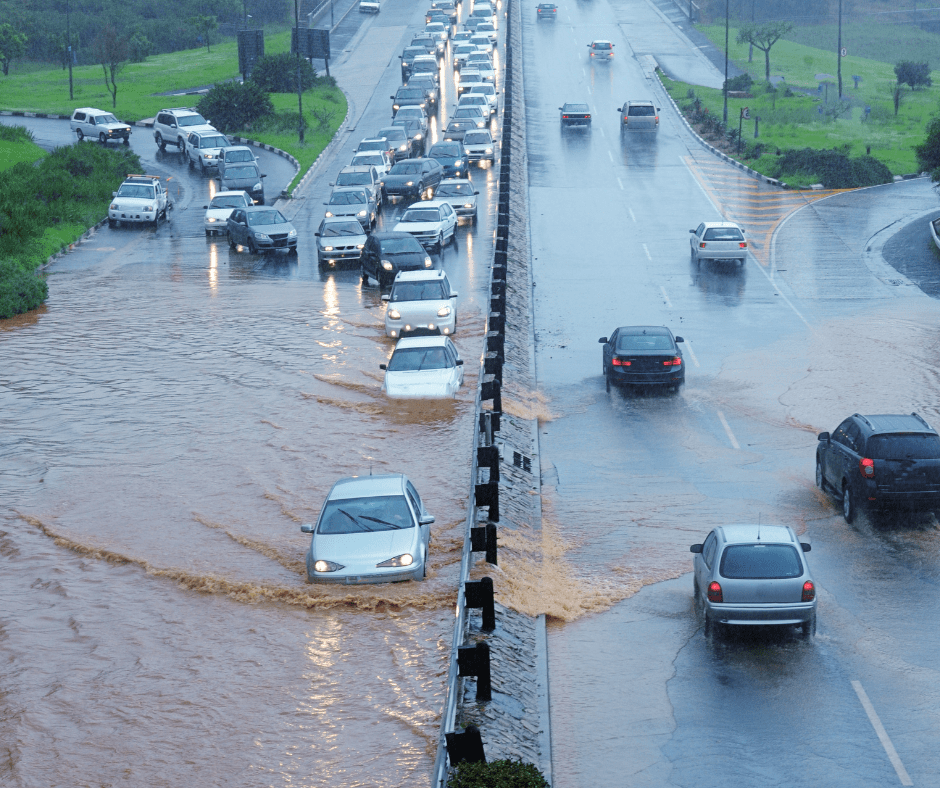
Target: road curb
<point>66,248</point>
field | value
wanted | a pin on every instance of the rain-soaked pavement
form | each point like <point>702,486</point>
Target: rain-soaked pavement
<point>815,327</point>
<point>170,418</point>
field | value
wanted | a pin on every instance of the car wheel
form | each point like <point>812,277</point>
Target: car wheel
<point>231,241</point>
<point>252,249</point>
<point>694,258</point>
<point>453,236</point>
<point>161,144</point>
<point>181,144</point>
<point>820,479</point>
<point>363,275</point>
<point>127,140</point>
<point>192,164</point>
<point>112,224</point>
<point>848,503</point>
<point>102,139</point>
<point>808,628</point>
<point>80,135</point>
<point>440,242</point>
<point>209,233</point>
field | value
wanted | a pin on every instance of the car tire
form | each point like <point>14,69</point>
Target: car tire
<point>440,242</point>
<point>231,241</point>
<point>252,249</point>
<point>209,233</point>
<point>191,163</point>
<point>848,503</point>
<point>363,275</point>
<point>808,628</point>
<point>127,140</point>
<point>820,477</point>
<point>181,144</point>
<point>161,143</point>
<point>694,256</point>
<point>102,139</point>
<point>453,237</point>
<point>80,135</point>
<point>111,224</point>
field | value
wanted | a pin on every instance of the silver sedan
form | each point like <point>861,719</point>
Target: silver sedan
<point>372,529</point>
<point>718,241</point>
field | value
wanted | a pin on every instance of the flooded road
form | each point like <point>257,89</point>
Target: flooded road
<point>170,418</point>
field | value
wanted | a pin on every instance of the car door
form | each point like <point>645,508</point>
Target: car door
<point>703,564</point>
<point>418,506</point>
<point>239,227</point>
<point>370,257</point>
<point>450,219</point>
<point>609,349</point>
<point>451,349</point>
<point>839,454</point>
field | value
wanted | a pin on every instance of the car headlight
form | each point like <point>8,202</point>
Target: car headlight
<point>256,187</point>
<point>326,566</point>
<point>292,234</point>
<point>395,107</point>
<point>387,265</point>
<point>458,163</point>
<point>468,205</point>
<point>489,150</point>
<point>410,183</point>
<point>262,236</point>
<point>444,311</point>
<point>361,213</point>
<point>394,314</point>
<point>207,155</point>
<point>403,147</point>
<point>427,262</point>
<point>327,248</point>
<point>405,559</point>
<point>418,136</point>
<point>148,208</point>
<point>360,246</point>
<point>114,207</point>
<point>329,213</point>
<point>421,105</point>
<point>211,219</point>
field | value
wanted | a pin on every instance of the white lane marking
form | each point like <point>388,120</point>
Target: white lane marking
<point>611,155</point>
<point>688,345</point>
<point>665,297</point>
<point>589,90</point>
<point>724,423</point>
<point>620,184</point>
<point>646,249</point>
<point>602,132</point>
<point>632,215</point>
<point>892,753</point>
<point>584,71</point>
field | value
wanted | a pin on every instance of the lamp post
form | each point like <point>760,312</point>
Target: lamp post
<point>68,46</point>
<point>300,90</point>
<point>839,52</point>
<point>724,115</point>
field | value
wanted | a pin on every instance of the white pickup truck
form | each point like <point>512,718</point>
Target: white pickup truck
<point>96,124</point>
<point>142,199</point>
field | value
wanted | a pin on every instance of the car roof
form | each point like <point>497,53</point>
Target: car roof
<point>358,167</point>
<point>432,341</point>
<point>466,181</point>
<point>230,193</point>
<point>654,330</point>
<point>389,235</point>
<point>427,204</point>
<point>368,486</point>
<point>709,225</point>
<point>895,422</point>
<point>261,208</point>
<point>642,102</point>
<point>89,110</point>
<point>421,275</point>
<point>746,534</point>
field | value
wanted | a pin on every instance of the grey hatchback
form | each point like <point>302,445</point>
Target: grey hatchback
<point>754,575</point>
<point>243,177</point>
<point>261,229</point>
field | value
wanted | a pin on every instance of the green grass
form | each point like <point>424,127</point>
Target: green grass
<point>14,152</point>
<point>889,43</point>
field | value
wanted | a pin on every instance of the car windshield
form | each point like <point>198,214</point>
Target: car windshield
<point>413,215</point>
<point>411,112</point>
<point>723,234</point>
<point>102,119</point>
<point>911,446</point>
<point>372,145</point>
<point>139,191</point>
<point>394,133</point>
<point>486,90</point>
<point>643,112</point>
<point>357,515</point>
<point>239,155</point>
<point>760,562</point>
<point>489,27</point>
<point>475,100</point>
<point>413,52</point>
<point>418,359</point>
<point>423,67</point>
<point>353,179</point>
<point>256,218</point>
<point>457,125</point>
<point>465,49</point>
<point>444,150</point>
<point>628,342</point>
<point>418,291</point>
<point>347,198</point>
<point>410,93</point>
<point>334,229</point>
<point>393,246</point>
<point>405,168</point>
<point>241,172</point>
<point>216,142</point>
<point>369,158</point>
<point>454,189</point>
<point>192,120</point>
<point>468,112</point>
<point>228,201</point>
<point>477,138</point>
<point>576,107</point>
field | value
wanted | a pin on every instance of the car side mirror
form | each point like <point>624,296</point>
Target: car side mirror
<point>561,109</point>
<point>453,293</point>
<point>306,528</point>
<point>426,519</point>
<point>692,231</point>
<point>823,436</point>
<point>696,548</point>
<point>205,207</point>
<point>386,297</point>
<point>659,109</point>
<point>264,176</point>
<point>383,366</point>
<point>459,362</point>
<point>476,192</point>
<point>172,125</point>
<point>619,109</point>
<point>392,98</point>
<point>679,339</point>
<point>114,194</point>
<point>806,547</point>
<point>316,235</point>
<point>603,340</point>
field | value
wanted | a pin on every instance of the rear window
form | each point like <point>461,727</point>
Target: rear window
<point>601,45</point>
<point>644,112</point>
<point>723,234</point>
<point>628,342</point>
<point>760,562</point>
<point>912,446</point>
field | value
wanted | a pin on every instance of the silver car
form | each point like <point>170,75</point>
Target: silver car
<point>372,529</point>
<point>754,575</point>
<point>423,368</point>
<point>420,301</point>
<point>461,195</point>
<point>718,241</point>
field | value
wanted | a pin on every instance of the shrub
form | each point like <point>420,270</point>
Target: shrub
<point>928,152</point>
<point>497,774</point>
<point>20,291</point>
<point>833,168</point>
<point>16,134</point>
<point>233,106</point>
<point>278,73</point>
<point>742,82</point>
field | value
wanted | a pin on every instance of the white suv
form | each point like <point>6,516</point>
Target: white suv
<point>420,301</point>
<point>205,148</point>
<point>141,199</point>
<point>96,124</point>
<point>172,126</point>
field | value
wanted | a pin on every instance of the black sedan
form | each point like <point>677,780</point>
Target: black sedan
<point>456,129</point>
<point>643,356</point>
<point>385,254</point>
<point>546,11</point>
<point>575,115</point>
<point>409,97</point>
<point>413,177</point>
<point>261,229</point>
<point>452,157</point>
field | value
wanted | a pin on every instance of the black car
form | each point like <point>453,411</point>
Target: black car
<point>261,229</point>
<point>385,254</point>
<point>575,115</point>
<point>243,177</point>
<point>880,461</point>
<point>452,157</point>
<point>412,177</point>
<point>456,129</point>
<point>643,356</point>
<point>449,7</point>
<point>415,135</point>
<point>409,97</point>
<point>407,58</point>
<point>427,83</point>
<point>546,11</point>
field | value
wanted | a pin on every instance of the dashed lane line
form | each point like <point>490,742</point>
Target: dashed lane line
<point>882,734</point>
<point>730,434</point>
<point>688,346</point>
<point>646,249</point>
<point>665,296</point>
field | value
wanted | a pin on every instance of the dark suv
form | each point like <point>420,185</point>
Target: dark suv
<point>880,461</point>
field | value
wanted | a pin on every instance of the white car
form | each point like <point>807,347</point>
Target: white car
<point>205,147</point>
<point>718,241</point>
<point>97,124</point>
<point>414,113</point>
<point>601,50</point>
<point>218,210</point>
<point>485,89</point>
<point>432,222</point>
<point>475,100</point>
<point>482,63</point>
<point>141,199</point>
<point>420,301</point>
<point>438,30</point>
<point>479,115</point>
<point>461,195</point>
<point>425,367</point>
<point>339,240</point>
<point>469,75</point>
<point>488,29</point>
<point>373,158</point>
<point>462,36</point>
<point>461,53</point>
<point>479,145</point>
<point>482,42</point>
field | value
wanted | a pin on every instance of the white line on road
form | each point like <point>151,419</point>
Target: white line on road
<point>724,423</point>
<point>632,216</point>
<point>620,184</point>
<point>602,132</point>
<point>665,297</point>
<point>688,346</point>
<point>904,777</point>
<point>646,249</point>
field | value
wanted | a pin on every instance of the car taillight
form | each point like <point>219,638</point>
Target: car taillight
<point>867,468</point>
<point>657,120</point>
<point>626,119</point>
<point>701,245</point>
<point>743,245</point>
<point>809,591</point>
<point>587,117</point>
<point>564,117</point>
<point>621,362</point>
<point>673,362</point>
<point>714,592</point>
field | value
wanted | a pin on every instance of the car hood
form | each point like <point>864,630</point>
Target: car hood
<point>341,240</point>
<point>390,178</point>
<point>373,546</point>
<point>112,126</point>
<point>418,227</point>
<point>189,129</point>
<point>239,184</point>
<point>428,383</point>
<point>219,214</point>
<point>125,201</point>
<point>347,210</point>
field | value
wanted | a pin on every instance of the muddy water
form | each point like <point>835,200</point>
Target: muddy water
<point>168,421</point>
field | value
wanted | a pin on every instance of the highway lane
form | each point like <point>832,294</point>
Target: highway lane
<point>807,332</point>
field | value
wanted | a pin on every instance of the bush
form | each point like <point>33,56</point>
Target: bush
<point>16,134</point>
<point>278,73</point>
<point>834,169</point>
<point>20,291</point>
<point>233,106</point>
<point>742,83</point>
<point>498,774</point>
<point>928,152</point>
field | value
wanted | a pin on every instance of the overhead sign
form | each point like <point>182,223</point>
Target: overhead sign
<point>250,49</point>
<point>314,42</point>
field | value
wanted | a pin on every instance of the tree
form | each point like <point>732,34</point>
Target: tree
<point>913,74</point>
<point>233,106</point>
<point>203,25</point>
<point>12,46</point>
<point>928,152</point>
<point>278,73</point>
<point>764,35</point>
<point>112,51</point>
<point>139,46</point>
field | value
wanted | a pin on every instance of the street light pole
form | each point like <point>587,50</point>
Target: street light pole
<point>300,90</point>
<point>725,87</point>
<point>839,52</point>
<point>68,46</point>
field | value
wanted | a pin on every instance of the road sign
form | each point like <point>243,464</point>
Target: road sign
<point>843,52</point>
<point>314,42</point>
<point>250,48</point>
<point>745,113</point>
